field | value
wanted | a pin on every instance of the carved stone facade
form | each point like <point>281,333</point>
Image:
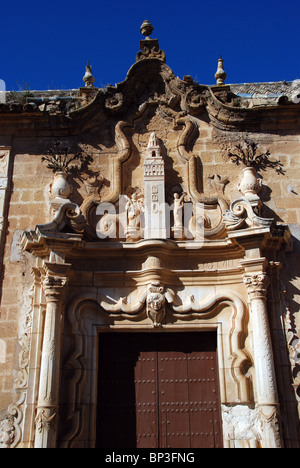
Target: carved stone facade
<point>166,206</point>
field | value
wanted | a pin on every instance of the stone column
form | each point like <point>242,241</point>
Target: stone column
<point>46,421</point>
<point>257,284</point>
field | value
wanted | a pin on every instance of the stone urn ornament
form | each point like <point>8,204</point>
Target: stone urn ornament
<point>60,161</point>
<point>250,185</point>
<point>247,155</point>
<point>60,187</point>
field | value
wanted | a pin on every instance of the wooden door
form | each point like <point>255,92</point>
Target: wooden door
<point>158,390</point>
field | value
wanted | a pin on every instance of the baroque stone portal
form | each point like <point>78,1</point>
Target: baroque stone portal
<point>147,226</point>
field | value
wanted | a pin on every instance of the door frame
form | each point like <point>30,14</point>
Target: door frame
<point>85,319</point>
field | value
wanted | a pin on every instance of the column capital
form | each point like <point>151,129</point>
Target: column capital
<point>54,288</point>
<point>55,281</point>
<point>257,285</point>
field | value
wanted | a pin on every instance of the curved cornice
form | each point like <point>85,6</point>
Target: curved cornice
<point>148,81</point>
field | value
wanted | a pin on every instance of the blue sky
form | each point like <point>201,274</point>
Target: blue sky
<point>46,45</point>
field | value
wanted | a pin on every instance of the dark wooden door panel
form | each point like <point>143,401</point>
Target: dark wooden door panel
<point>173,400</point>
<point>145,383</point>
<point>158,390</point>
<point>116,423</point>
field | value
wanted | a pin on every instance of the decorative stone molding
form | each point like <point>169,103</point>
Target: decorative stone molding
<point>293,343</point>
<point>17,411</point>
<point>271,427</point>
<point>173,284</point>
<point>246,427</point>
<point>154,297</point>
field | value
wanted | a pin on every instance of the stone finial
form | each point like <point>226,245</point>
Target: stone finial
<point>146,29</point>
<point>220,75</point>
<point>149,47</point>
<point>88,77</point>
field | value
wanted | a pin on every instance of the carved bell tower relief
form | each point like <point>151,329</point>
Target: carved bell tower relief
<point>154,180</point>
<point>158,235</point>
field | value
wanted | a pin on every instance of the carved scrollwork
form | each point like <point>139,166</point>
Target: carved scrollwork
<point>114,102</point>
<point>198,225</point>
<point>241,215</point>
<point>151,50</point>
<point>195,100</point>
<point>68,213</point>
<point>76,219</point>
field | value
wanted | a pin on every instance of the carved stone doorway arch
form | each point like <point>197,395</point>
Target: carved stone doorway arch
<point>86,319</point>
